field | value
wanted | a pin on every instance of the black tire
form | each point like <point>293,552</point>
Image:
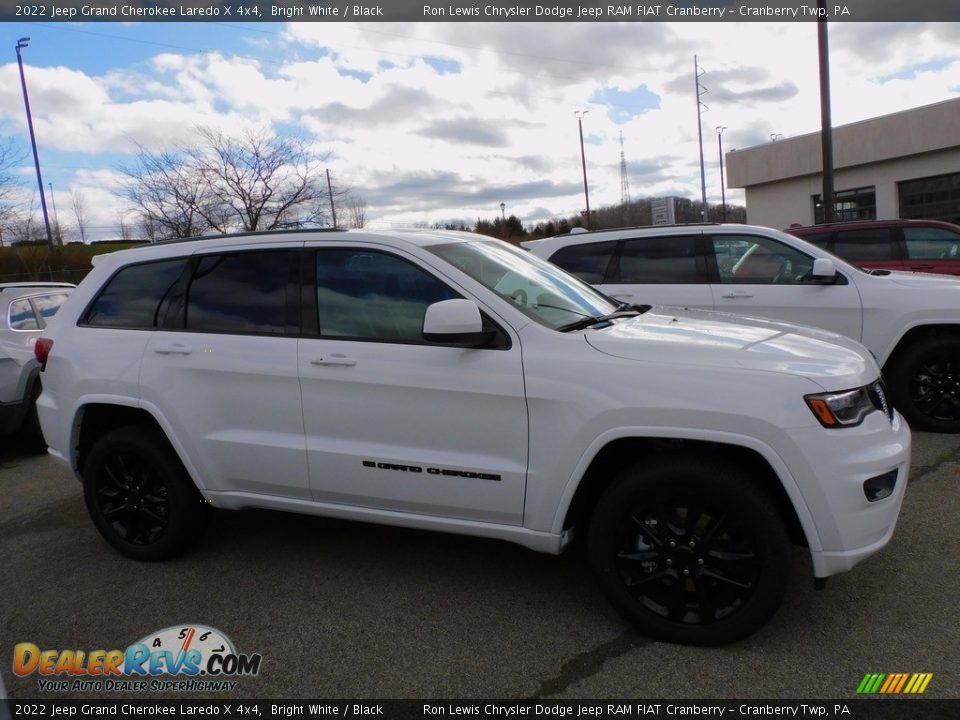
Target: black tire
<point>725,574</point>
<point>924,384</point>
<point>140,497</point>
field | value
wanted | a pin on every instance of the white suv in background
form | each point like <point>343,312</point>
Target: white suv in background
<point>450,382</point>
<point>909,321</point>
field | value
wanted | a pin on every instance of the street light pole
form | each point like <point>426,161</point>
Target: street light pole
<point>723,192</point>
<point>22,43</point>
<point>583,160</point>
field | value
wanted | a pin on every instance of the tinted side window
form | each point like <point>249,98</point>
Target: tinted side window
<point>757,260</point>
<point>658,261</point>
<point>22,317</point>
<point>132,297</point>
<point>240,293</point>
<point>876,244</point>
<point>821,240</point>
<point>587,262</point>
<point>931,244</point>
<point>370,295</point>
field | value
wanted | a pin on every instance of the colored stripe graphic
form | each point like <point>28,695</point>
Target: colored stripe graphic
<point>894,683</point>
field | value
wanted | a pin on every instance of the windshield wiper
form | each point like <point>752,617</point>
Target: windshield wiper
<point>624,310</point>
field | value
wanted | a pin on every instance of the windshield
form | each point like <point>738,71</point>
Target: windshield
<point>540,290</point>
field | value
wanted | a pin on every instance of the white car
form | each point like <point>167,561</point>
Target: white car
<point>449,382</point>
<point>909,321</point>
<point>25,308</point>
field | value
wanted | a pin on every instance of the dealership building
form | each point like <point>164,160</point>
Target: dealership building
<point>904,165</point>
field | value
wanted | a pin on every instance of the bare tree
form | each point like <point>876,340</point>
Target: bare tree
<point>254,181</point>
<point>78,203</point>
<point>10,157</point>
<point>123,225</point>
<point>170,192</point>
<point>259,181</point>
<point>358,211</point>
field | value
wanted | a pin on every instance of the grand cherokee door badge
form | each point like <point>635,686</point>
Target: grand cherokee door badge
<point>431,470</point>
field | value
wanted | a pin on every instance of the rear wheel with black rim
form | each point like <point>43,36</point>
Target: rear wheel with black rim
<point>139,495</point>
<point>689,551</point>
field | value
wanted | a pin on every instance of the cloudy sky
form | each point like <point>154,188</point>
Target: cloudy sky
<point>437,122</point>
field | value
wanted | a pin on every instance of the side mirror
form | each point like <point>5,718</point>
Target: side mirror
<point>824,271</point>
<point>454,322</point>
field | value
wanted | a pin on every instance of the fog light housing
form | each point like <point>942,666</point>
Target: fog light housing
<point>880,487</point>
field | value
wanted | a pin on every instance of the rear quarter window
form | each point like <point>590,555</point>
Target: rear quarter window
<point>132,298</point>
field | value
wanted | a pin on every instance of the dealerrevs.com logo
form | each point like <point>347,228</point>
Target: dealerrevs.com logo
<point>185,658</point>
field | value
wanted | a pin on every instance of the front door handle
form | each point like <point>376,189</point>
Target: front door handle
<point>172,349</point>
<point>334,359</point>
<point>737,295</point>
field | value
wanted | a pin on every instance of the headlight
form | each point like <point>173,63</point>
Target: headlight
<point>841,409</point>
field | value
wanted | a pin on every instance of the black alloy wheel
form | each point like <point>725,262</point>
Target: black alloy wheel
<point>139,495</point>
<point>935,389</point>
<point>924,383</point>
<point>685,562</point>
<point>690,551</point>
<point>132,499</point>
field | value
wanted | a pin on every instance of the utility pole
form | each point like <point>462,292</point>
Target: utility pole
<point>701,90</point>
<point>723,191</point>
<point>56,216</point>
<point>624,179</point>
<point>22,43</point>
<point>333,210</point>
<point>826,123</point>
<point>583,160</point>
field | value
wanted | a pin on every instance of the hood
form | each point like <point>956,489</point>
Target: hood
<point>710,339</point>
<point>920,280</point>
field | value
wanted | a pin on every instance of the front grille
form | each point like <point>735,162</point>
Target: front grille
<point>878,396</point>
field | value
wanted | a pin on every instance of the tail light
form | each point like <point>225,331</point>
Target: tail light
<point>41,350</point>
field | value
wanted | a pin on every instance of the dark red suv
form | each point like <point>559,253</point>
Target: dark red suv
<point>917,245</point>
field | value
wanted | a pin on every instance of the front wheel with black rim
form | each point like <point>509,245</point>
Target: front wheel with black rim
<point>139,496</point>
<point>924,383</point>
<point>689,551</point>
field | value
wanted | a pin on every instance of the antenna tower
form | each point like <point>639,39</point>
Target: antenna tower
<point>698,72</point>
<point>624,180</point>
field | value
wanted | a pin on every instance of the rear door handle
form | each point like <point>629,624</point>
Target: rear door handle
<point>621,296</point>
<point>334,359</point>
<point>737,295</point>
<point>172,349</point>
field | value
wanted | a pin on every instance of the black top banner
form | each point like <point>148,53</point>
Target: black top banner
<point>720,11</point>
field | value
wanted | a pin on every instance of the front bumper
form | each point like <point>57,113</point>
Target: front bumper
<point>849,526</point>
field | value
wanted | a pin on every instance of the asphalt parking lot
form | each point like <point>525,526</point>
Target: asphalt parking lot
<point>345,610</point>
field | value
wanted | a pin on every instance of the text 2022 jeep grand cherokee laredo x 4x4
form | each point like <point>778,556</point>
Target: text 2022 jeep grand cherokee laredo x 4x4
<point>448,382</point>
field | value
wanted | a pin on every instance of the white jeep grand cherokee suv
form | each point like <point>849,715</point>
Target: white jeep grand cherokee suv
<point>444,381</point>
<point>909,321</point>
